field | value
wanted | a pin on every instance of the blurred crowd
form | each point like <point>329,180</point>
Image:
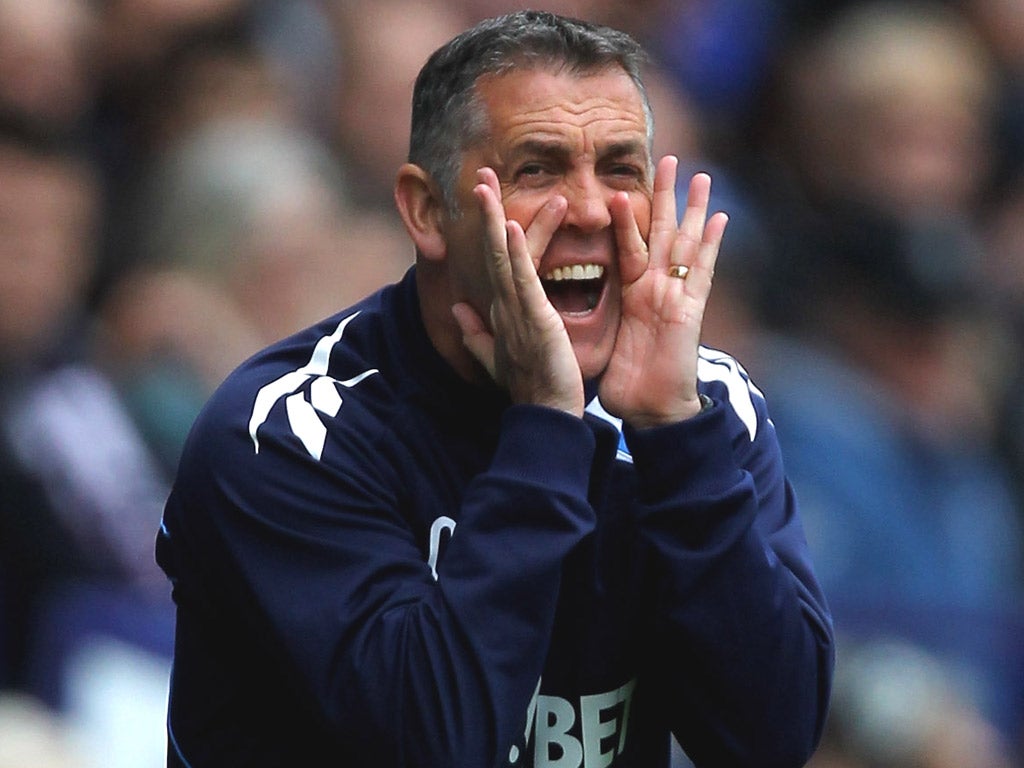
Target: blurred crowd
<point>184,181</point>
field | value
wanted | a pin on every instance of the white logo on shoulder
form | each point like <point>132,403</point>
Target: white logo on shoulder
<point>713,365</point>
<point>323,395</point>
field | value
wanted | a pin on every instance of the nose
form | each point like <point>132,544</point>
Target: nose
<point>588,202</point>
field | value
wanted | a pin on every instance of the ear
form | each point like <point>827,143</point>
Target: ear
<point>419,203</point>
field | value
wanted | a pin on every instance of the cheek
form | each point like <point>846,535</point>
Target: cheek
<point>523,208</point>
<point>467,268</point>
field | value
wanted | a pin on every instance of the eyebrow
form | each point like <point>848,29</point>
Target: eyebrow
<point>558,150</point>
<point>553,149</point>
<point>624,149</point>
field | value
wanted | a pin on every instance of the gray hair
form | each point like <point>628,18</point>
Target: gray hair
<point>447,116</point>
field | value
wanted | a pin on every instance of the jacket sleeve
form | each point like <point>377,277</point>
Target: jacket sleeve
<point>745,646</point>
<point>320,567</point>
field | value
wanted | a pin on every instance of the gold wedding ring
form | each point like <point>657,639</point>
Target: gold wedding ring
<point>679,270</point>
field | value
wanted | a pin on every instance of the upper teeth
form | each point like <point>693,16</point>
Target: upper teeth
<point>576,272</point>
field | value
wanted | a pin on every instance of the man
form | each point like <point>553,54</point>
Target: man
<point>503,512</point>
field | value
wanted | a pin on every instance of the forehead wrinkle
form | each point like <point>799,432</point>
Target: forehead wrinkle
<point>548,134</point>
<point>580,115</point>
<point>593,117</point>
<point>542,98</point>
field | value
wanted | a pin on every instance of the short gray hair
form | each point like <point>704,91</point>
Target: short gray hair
<point>447,117</point>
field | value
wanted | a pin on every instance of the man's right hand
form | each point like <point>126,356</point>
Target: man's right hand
<point>525,346</point>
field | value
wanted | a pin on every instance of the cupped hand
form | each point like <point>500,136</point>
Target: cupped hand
<point>525,347</point>
<point>651,377</point>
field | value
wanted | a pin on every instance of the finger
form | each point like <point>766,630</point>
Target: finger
<point>702,265</point>
<point>697,198</point>
<point>488,196</point>
<point>664,223</point>
<point>689,238</point>
<point>475,336</point>
<point>529,289</point>
<point>700,257</point>
<point>544,226</point>
<point>632,250</point>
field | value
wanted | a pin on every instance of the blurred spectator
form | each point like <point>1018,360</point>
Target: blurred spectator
<point>300,45</point>
<point>204,73</point>
<point>718,52</point>
<point>136,33</point>
<point>895,706</point>
<point>888,103</point>
<point>135,39</point>
<point>1001,24</point>
<point>82,467</point>
<point>1004,270</point>
<point>47,49</point>
<point>1003,232</point>
<point>864,246</point>
<point>886,422</point>
<point>49,213</point>
<point>245,237</point>
<point>80,493</point>
<point>679,126</point>
<point>143,42</point>
<point>168,65</point>
<point>213,74</point>
<point>383,44</point>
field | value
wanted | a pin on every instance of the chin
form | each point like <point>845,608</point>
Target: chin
<point>592,362</point>
<point>593,343</point>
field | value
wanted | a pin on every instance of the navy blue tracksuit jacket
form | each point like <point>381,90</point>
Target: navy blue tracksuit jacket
<point>377,564</point>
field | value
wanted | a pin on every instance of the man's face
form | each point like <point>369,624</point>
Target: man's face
<point>555,133</point>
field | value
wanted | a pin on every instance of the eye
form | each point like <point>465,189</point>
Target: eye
<point>624,175</point>
<point>531,169</point>
<point>624,169</point>
<point>534,173</point>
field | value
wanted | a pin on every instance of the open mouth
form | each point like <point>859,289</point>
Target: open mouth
<point>574,289</point>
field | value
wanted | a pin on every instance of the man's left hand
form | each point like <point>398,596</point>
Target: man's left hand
<point>651,378</point>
